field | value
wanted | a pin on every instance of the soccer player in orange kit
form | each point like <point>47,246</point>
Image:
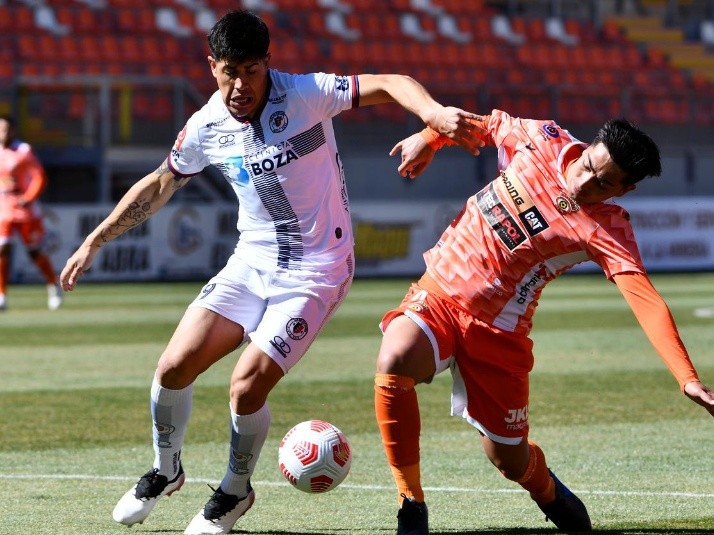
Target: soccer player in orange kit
<point>471,311</point>
<point>22,180</point>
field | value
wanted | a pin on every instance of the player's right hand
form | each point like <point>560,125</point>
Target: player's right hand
<point>76,266</point>
<point>460,126</point>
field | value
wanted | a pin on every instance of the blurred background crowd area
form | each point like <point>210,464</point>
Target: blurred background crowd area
<point>93,83</point>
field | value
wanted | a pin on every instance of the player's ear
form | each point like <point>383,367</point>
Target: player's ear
<point>212,64</point>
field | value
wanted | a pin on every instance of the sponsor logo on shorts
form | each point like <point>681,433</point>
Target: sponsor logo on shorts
<point>296,328</point>
<point>207,289</point>
<point>517,418</point>
<point>281,346</point>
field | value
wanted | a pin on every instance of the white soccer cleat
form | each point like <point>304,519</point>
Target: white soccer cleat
<point>137,503</point>
<point>54,296</point>
<point>220,513</point>
<point>3,302</point>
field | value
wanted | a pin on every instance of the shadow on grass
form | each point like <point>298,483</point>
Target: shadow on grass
<point>509,531</point>
<point>552,531</point>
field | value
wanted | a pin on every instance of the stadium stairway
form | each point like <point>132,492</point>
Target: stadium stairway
<point>670,43</point>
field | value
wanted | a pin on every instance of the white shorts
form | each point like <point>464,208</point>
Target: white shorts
<point>282,310</point>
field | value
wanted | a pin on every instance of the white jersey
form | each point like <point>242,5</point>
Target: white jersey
<point>284,168</point>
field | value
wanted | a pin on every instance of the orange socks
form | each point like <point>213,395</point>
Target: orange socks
<point>536,479</point>
<point>42,261</point>
<point>4,274</point>
<point>397,411</point>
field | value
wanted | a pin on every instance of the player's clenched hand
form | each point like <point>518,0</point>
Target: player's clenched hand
<point>76,265</point>
<point>459,126</point>
<point>701,394</point>
<point>416,155</point>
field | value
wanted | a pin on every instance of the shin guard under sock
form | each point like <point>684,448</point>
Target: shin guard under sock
<point>397,412</point>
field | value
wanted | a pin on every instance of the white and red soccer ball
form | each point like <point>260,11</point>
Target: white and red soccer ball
<point>314,456</point>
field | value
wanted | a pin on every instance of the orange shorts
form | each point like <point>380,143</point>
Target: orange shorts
<point>31,231</point>
<point>489,366</point>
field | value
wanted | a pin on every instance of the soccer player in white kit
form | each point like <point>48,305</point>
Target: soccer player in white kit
<point>271,135</point>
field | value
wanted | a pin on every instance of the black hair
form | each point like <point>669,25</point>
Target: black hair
<point>9,120</point>
<point>239,36</point>
<point>631,149</point>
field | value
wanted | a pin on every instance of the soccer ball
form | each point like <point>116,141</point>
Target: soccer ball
<point>314,456</point>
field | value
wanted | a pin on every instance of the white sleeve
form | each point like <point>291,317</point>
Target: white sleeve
<point>328,94</point>
<point>187,157</point>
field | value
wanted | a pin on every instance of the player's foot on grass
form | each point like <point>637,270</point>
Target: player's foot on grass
<point>3,302</point>
<point>220,513</point>
<point>54,296</point>
<point>138,502</point>
<point>412,518</point>
<point>567,512</point>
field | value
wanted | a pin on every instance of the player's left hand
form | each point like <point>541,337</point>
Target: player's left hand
<point>416,155</point>
<point>701,394</point>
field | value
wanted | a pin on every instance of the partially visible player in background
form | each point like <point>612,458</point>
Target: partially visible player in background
<point>548,209</point>
<point>270,133</point>
<point>22,180</point>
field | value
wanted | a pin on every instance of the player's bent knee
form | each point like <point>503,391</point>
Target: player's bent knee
<point>175,374</point>
<point>247,396</point>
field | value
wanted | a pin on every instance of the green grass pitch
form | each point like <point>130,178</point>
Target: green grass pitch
<point>75,425</point>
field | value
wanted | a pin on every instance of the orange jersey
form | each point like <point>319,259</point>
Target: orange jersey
<point>523,230</point>
<point>21,178</point>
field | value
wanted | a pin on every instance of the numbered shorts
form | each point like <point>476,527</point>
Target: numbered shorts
<point>281,311</point>
<point>489,366</point>
<point>31,231</point>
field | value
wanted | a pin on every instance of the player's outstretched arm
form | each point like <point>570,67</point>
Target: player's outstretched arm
<point>137,205</point>
<point>456,124</point>
<point>700,394</point>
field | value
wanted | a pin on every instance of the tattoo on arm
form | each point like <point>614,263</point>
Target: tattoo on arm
<point>178,181</point>
<point>135,214</point>
<point>141,210</point>
<point>163,168</point>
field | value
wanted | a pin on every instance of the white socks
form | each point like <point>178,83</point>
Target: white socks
<point>170,411</point>
<point>248,434</point>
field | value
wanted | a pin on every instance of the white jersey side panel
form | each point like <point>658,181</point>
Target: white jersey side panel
<point>284,168</point>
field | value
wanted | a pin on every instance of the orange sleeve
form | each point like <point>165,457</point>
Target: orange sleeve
<point>38,180</point>
<point>437,140</point>
<point>658,324</point>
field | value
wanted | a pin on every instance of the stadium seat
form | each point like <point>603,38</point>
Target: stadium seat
<point>22,20</point>
<point>135,20</point>
<point>451,47</point>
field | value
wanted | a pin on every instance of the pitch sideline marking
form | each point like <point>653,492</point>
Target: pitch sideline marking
<point>373,487</point>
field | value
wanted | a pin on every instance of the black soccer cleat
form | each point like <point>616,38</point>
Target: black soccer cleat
<point>412,518</point>
<point>567,512</point>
